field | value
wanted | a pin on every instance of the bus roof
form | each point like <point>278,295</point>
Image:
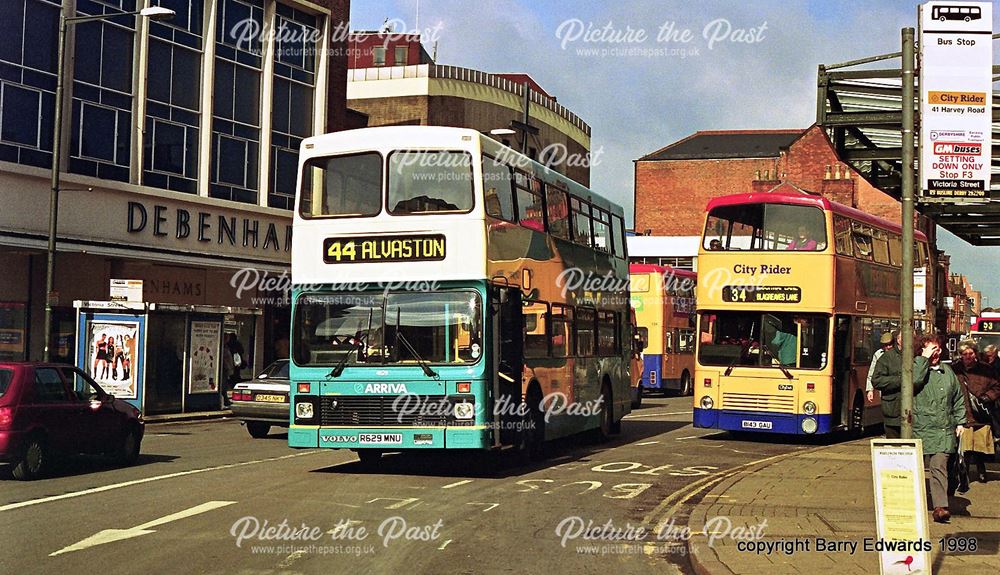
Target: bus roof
<point>408,137</point>
<point>652,268</point>
<point>800,198</point>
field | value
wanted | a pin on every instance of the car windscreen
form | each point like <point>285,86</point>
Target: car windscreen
<point>6,376</point>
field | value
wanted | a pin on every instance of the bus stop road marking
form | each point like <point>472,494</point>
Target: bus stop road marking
<point>457,483</point>
<point>648,443</point>
<point>443,545</point>
<point>12,506</point>
<point>112,535</point>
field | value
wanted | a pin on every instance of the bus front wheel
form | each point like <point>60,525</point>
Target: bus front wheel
<point>369,457</point>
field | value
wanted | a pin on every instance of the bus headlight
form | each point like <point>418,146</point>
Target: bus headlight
<point>809,425</point>
<point>707,403</point>
<point>464,411</point>
<point>809,407</point>
<point>304,410</point>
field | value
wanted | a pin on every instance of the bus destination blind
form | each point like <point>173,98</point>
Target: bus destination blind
<point>992,326</point>
<point>374,249</point>
<point>762,294</point>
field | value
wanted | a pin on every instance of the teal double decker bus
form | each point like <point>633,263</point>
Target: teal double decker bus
<point>450,293</point>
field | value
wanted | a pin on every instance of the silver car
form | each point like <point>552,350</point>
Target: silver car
<point>263,401</point>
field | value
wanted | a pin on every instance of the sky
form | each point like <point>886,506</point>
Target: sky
<point>646,73</point>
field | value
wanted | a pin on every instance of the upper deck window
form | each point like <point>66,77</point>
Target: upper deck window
<point>342,186</point>
<point>765,227</point>
<point>423,182</point>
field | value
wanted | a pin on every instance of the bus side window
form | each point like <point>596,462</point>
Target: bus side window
<point>496,183</point>
<point>584,329</point>
<point>558,211</point>
<point>536,340</point>
<point>562,331</point>
<point>685,341</point>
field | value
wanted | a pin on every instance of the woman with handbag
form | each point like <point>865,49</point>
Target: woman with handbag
<point>981,392</point>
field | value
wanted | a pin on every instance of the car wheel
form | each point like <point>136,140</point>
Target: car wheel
<point>637,402</point>
<point>131,443</point>
<point>34,462</point>
<point>258,429</point>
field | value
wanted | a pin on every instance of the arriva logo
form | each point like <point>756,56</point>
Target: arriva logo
<point>386,388</point>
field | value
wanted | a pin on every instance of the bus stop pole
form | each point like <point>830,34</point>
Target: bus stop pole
<point>906,289</point>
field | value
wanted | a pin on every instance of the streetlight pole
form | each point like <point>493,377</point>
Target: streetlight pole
<point>153,13</point>
<point>906,201</point>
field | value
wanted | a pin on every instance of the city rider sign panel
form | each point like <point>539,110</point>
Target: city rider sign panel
<point>956,99</point>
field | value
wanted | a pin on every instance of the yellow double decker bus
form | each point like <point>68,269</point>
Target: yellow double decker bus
<point>793,295</point>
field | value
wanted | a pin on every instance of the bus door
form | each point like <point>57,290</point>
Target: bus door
<point>842,344</point>
<point>667,367</point>
<point>509,353</point>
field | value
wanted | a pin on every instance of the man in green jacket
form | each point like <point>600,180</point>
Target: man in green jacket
<point>939,416</point>
<point>888,379</point>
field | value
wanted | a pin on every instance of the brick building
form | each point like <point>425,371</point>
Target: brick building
<point>378,49</point>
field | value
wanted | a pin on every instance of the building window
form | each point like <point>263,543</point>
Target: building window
<point>378,56</point>
<point>28,31</point>
<point>292,110</point>
<point>400,56</point>
<point>173,150</point>
<point>20,111</point>
<point>236,102</point>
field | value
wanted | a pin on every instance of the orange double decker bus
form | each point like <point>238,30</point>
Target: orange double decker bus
<point>794,292</point>
<point>663,299</point>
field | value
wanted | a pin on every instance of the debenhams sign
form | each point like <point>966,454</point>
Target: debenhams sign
<point>206,227</point>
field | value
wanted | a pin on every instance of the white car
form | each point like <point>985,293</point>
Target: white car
<point>263,401</point>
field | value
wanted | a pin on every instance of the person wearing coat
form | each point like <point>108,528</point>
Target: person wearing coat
<point>939,416</point>
<point>982,391</point>
<point>888,379</point>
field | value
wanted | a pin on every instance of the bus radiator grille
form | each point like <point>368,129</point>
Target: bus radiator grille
<point>758,402</point>
<point>384,410</point>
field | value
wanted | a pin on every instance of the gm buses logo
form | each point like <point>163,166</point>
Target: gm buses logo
<point>950,148</point>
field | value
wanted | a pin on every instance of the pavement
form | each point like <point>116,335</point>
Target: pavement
<point>189,416</point>
<point>827,492</point>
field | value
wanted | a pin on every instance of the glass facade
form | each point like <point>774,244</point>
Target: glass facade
<point>292,103</point>
<point>102,92</point>
<point>236,107</point>
<point>28,35</point>
<point>101,127</point>
<point>173,99</point>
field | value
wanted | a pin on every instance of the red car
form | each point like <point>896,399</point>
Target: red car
<point>51,410</point>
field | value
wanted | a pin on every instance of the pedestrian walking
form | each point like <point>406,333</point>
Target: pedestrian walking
<point>939,418</point>
<point>989,357</point>
<point>232,363</point>
<point>888,379</point>
<point>886,342</point>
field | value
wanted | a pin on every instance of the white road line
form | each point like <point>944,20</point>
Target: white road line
<point>637,416</point>
<point>647,443</point>
<point>12,506</point>
<point>691,437</point>
<point>457,483</point>
<point>443,545</point>
<point>112,535</point>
